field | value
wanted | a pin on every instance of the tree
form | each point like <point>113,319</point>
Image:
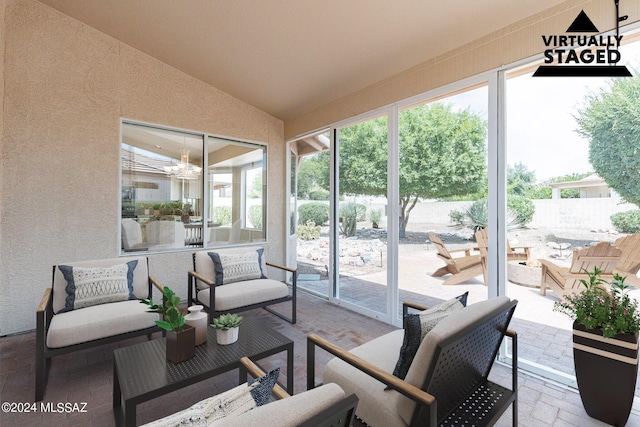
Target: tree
<point>313,174</point>
<point>519,179</point>
<point>442,154</point>
<point>611,122</point>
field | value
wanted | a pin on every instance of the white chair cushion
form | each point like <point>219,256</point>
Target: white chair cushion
<point>245,293</point>
<point>98,321</point>
<point>375,405</point>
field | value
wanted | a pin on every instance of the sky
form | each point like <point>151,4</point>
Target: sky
<point>541,129</point>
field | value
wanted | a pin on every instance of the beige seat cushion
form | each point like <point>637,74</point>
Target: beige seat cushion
<point>99,321</point>
<point>240,294</point>
<point>375,406</point>
<point>379,407</point>
<point>292,411</point>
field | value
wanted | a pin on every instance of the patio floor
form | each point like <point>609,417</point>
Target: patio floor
<point>86,376</point>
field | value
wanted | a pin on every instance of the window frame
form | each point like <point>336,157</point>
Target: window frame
<point>203,180</point>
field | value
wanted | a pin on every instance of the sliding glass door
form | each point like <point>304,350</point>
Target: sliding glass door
<point>360,232</point>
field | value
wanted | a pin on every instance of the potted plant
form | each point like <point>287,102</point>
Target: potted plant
<point>605,345</point>
<point>181,338</point>
<point>375,215</point>
<point>226,327</point>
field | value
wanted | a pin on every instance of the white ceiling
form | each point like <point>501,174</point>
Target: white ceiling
<point>288,57</point>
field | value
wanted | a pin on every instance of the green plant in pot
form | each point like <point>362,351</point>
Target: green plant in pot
<point>227,326</point>
<point>181,338</point>
<point>605,345</point>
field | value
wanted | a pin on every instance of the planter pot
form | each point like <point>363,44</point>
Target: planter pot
<point>606,371</point>
<point>227,336</point>
<point>181,346</point>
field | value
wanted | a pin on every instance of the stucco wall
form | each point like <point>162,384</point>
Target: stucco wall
<point>2,156</point>
<point>66,88</point>
<point>508,45</point>
<point>571,214</point>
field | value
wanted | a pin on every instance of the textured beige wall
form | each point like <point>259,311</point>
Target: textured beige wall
<point>66,88</point>
<point>516,42</point>
<point>2,156</point>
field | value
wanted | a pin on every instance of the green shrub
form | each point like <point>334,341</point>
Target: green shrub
<point>318,213</point>
<point>349,208</point>
<point>375,215</point>
<point>627,221</point>
<point>457,217</point>
<point>310,231</point>
<point>520,212</point>
<point>319,194</point>
<point>222,215</point>
<point>521,208</point>
<point>255,216</point>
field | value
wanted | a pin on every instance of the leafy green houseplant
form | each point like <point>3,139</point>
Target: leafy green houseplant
<point>181,338</point>
<point>598,307</point>
<point>172,317</point>
<point>605,345</point>
<point>227,328</point>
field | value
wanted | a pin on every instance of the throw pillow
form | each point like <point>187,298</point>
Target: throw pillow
<point>230,268</point>
<point>87,286</point>
<point>418,325</point>
<point>214,410</point>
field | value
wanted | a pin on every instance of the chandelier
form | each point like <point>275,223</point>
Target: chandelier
<point>183,169</point>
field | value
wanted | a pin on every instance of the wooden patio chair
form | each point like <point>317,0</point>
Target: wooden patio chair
<point>564,281</point>
<point>629,263</point>
<point>514,253</point>
<point>461,268</point>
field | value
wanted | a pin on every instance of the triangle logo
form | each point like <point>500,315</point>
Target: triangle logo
<point>582,24</point>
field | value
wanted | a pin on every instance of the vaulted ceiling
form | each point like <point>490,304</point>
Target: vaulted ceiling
<point>288,57</point>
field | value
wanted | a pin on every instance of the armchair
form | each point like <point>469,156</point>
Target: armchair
<point>91,303</point>
<point>234,280</point>
<point>447,381</point>
<point>323,406</point>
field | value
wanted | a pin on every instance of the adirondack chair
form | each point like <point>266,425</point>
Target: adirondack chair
<point>461,268</point>
<point>514,253</point>
<point>564,281</point>
<point>629,263</point>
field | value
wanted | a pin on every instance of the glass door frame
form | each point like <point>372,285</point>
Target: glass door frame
<point>392,214</point>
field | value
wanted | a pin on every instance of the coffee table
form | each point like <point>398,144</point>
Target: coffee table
<point>141,372</point>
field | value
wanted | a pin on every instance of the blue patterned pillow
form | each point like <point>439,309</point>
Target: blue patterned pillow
<point>213,411</point>
<point>88,286</point>
<point>418,325</point>
<point>230,268</point>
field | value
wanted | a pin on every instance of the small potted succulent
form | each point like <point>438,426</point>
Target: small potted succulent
<point>181,338</point>
<point>605,345</point>
<point>226,327</point>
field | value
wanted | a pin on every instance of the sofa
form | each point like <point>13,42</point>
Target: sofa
<point>92,303</point>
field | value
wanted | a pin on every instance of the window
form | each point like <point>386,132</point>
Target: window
<point>237,191</point>
<point>163,203</point>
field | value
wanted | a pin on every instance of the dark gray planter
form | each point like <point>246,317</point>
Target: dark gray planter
<point>606,370</point>
<point>181,346</point>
